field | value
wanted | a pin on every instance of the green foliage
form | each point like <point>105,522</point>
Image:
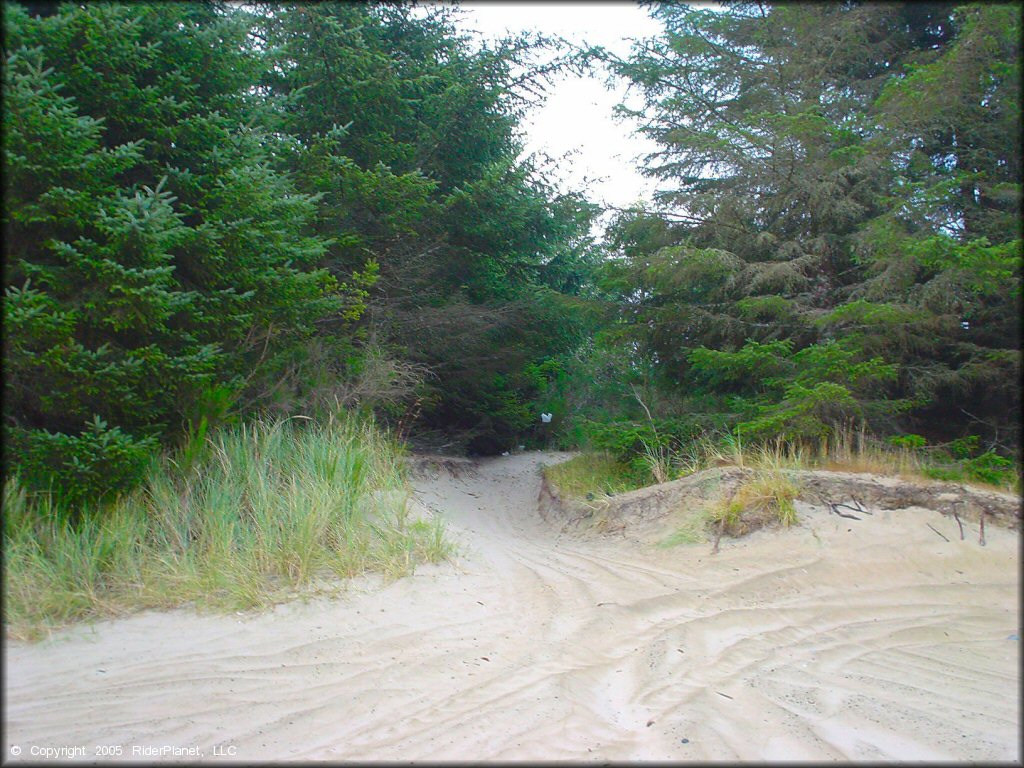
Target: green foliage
<point>271,509</point>
<point>502,416</point>
<point>99,461</point>
<point>963,447</point>
<point>796,395</point>
<point>153,252</point>
<point>755,363</point>
<point>907,441</point>
<point>647,449</point>
<point>841,239</point>
<point>249,201</point>
<point>944,474</point>
<point>984,268</point>
<point>962,460</point>
<point>766,308</point>
<point>804,413</point>
<point>413,151</point>
<point>991,468</point>
<point>624,440</point>
<point>862,313</point>
<point>593,474</point>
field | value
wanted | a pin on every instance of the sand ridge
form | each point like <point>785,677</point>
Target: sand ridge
<point>833,640</point>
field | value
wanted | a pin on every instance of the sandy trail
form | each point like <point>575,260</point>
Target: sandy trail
<point>829,641</point>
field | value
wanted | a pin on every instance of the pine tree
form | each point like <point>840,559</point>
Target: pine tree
<point>780,287</point>
<point>155,258</point>
<point>412,146</point>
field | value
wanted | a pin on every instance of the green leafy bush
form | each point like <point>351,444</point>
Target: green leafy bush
<point>797,395</point>
<point>991,468</point>
<point>907,441</point>
<point>98,462</point>
<point>963,447</point>
<point>593,474</point>
<point>649,450</point>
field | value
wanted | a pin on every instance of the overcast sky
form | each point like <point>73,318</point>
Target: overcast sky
<point>577,115</point>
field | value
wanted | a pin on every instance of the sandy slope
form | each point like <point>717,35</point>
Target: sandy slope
<point>873,640</point>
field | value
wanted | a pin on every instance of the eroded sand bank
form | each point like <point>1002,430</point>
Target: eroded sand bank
<point>833,640</point>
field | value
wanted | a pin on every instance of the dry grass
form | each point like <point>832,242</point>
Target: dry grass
<point>848,451</point>
<point>763,500</point>
<point>766,497</point>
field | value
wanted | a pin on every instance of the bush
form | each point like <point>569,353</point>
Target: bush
<point>959,461</point>
<point>75,468</point>
<point>991,468</point>
<point>764,499</point>
<point>593,474</point>
<point>907,441</point>
<point>626,440</point>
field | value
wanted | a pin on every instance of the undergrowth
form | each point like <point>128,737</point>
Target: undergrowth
<point>767,496</point>
<point>598,472</point>
<point>594,474</point>
<point>264,511</point>
<point>762,500</point>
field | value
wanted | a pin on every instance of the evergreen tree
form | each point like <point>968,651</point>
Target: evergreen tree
<point>947,250</point>
<point>411,138</point>
<point>779,289</point>
<point>155,258</point>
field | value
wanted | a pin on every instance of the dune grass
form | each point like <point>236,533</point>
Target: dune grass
<point>266,511</point>
<point>767,496</point>
<point>846,451</point>
<point>593,473</point>
<point>854,451</point>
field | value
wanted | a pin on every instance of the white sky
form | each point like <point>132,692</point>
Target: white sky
<point>577,115</point>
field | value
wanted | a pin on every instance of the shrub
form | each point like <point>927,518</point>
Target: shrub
<point>649,449</point>
<point>592,474</point>
<point>991,468</point>
<point>907,441</point>
<point>98,462</point>
<point>766,498</point>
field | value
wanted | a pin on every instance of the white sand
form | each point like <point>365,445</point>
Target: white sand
<point>834,640</point>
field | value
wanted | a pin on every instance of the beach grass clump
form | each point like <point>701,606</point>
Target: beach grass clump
<point>596,473</point>
<point>764,499</point>
<point>264,511</point>
<point>57,570</point>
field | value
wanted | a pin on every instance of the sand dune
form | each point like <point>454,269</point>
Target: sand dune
<point>832,640</point>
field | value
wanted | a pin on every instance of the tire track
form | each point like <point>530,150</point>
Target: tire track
<point>815,643</point>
